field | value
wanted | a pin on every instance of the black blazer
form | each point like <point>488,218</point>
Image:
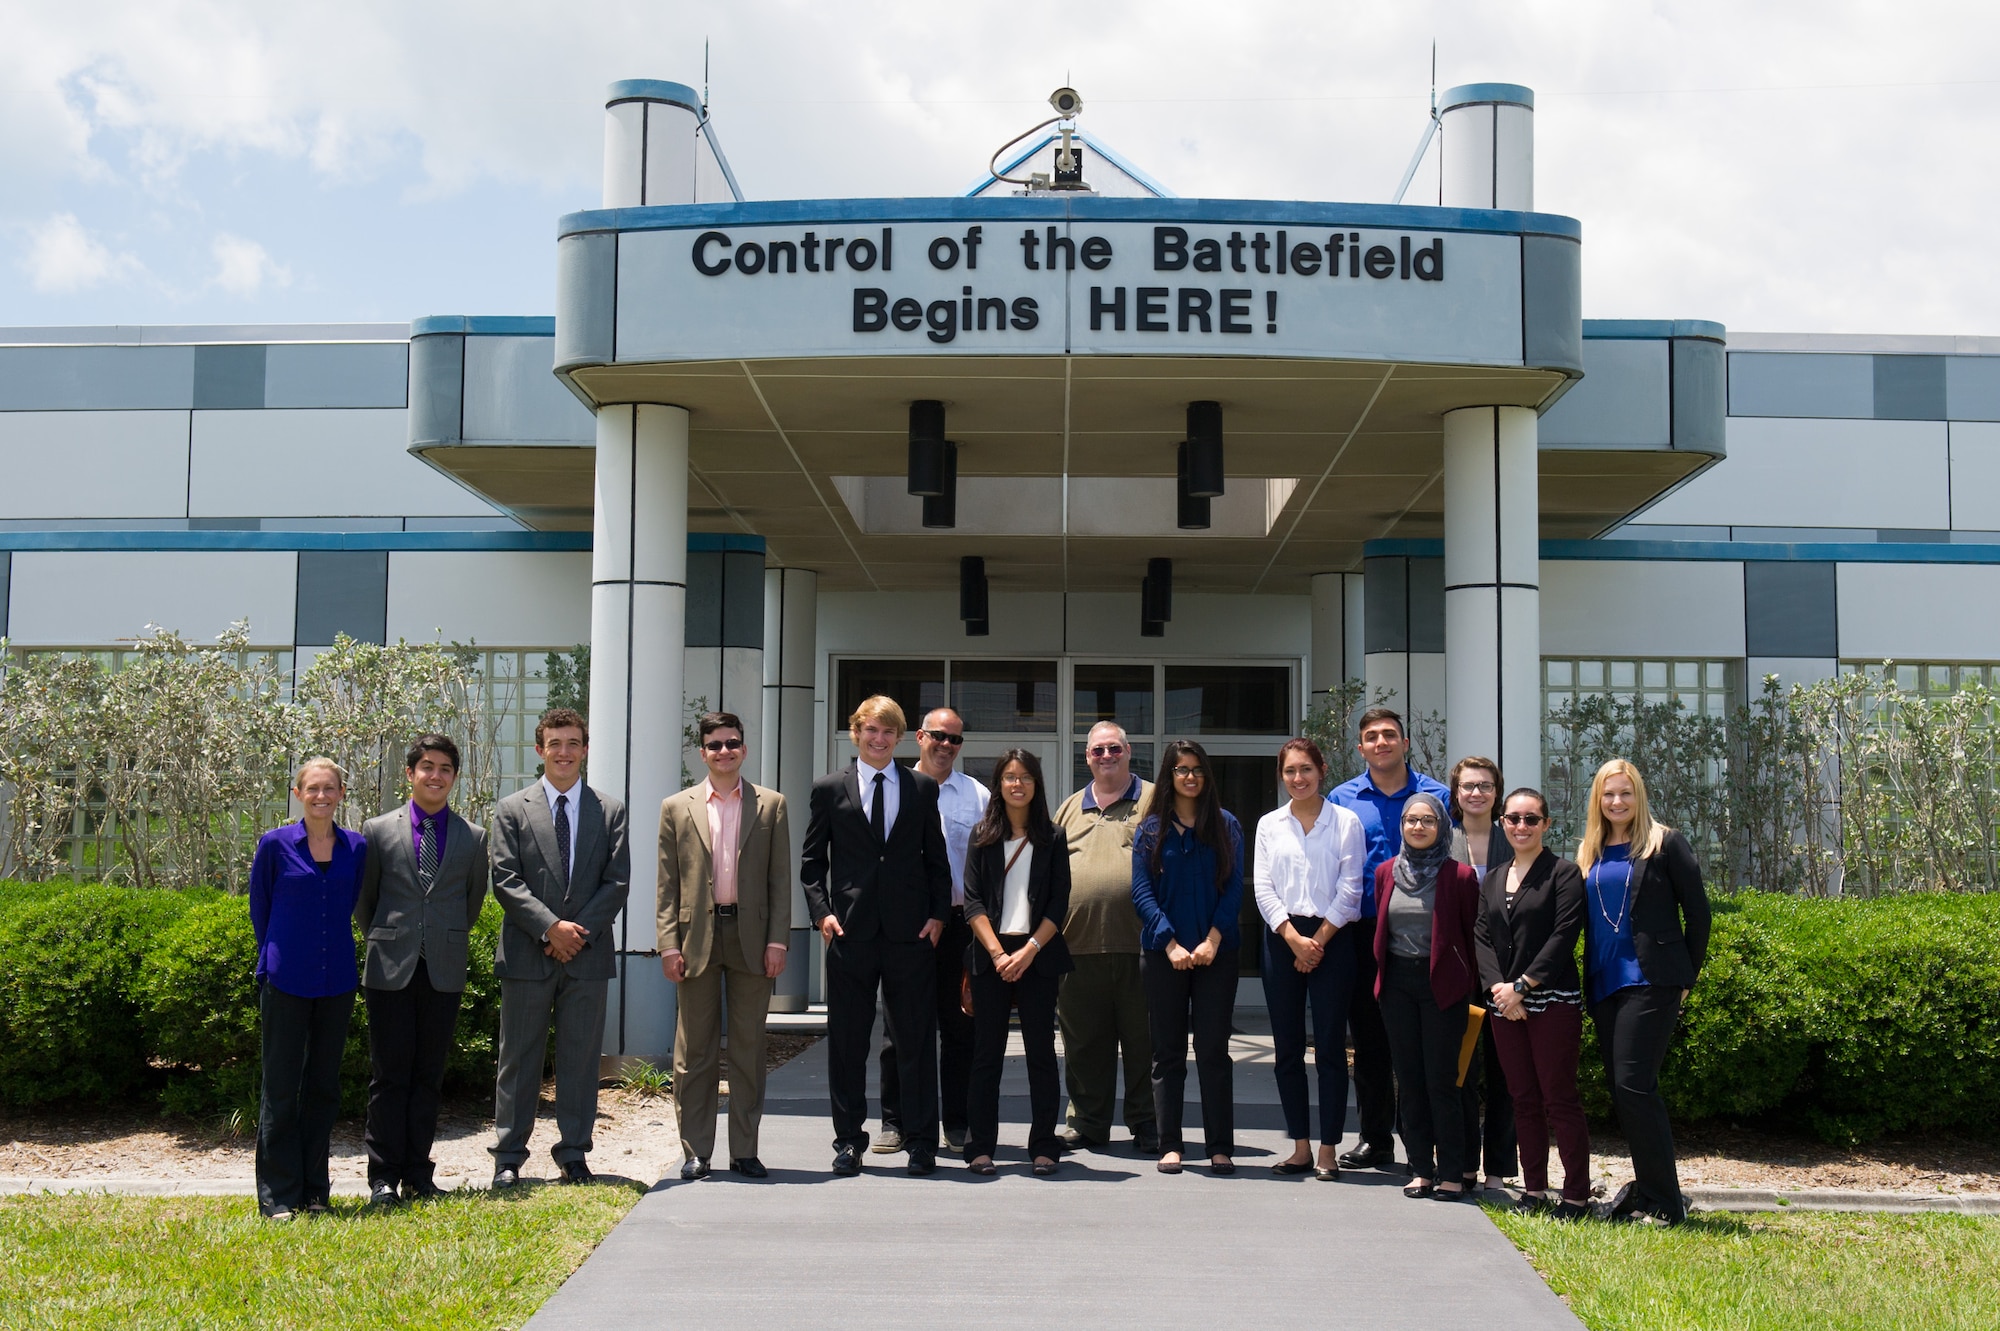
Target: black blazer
<point>1535,933</point>
<point>1669,890</point>
<point>870,887</point>
<point>1048,899</point>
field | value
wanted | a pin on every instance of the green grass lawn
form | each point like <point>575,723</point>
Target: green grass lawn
<point>473,1261</point>
<point>1772,1272</point>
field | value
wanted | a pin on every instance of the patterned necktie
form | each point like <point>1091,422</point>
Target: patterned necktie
<point>427,850</point>
<point>875,815</point>
<point>562,839</point>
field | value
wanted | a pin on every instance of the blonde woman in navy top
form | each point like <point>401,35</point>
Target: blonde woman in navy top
<point>303,884</point>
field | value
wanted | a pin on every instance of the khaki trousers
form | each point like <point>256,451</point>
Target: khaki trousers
<point>698,1047</point>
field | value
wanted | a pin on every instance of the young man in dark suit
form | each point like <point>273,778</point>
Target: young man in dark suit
<point>878,883</point>
<point>422,885</point>
<point>561,869</point>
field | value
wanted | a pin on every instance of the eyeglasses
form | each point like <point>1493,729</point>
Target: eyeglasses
<point>1477,787</point>
<point>943,736</point>
<point>1017,779</point>
<point>720,745</point>
<point>1106,750</point>
<point>1522,819</point>
<point>1424,821</point>
<point>1183,773</point>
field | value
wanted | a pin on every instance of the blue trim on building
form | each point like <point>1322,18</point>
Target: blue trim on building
<point>653,90</point>
<point>1643,329</point>
<point>1475,94</point>
<point>1727,551</point>
<point>1268,212</point>
<point>485,325</point>
<point>295,540</point>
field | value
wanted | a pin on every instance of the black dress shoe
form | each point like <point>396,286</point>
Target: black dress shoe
<point>693,1168</point>
<point>575,1171</point>
<point>506,1176</point>
<point>887,1142</point>
<point>1146,1143</point>
<point>423,1190</point>
<point>1368,1155</point>
<point>1625,1201</point>
<point>847,1161</point>
<point>1224,1166</point>
<point>749,1166</point>
<point>383,1195</point>
<point>922,1163</point>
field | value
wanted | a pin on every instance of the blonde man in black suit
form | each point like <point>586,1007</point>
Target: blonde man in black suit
<point>725,917</point>
<point>422,885</point>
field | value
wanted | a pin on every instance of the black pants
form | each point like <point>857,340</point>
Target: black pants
<point>301,1040</point>
<point>1204,998</point>
<point>1374,1079</point>
<point>1486,1089</point>
<point>409,1037</point>
<point>1035,995</point>
<point>1287,994</point>
<point>954,1036</point>
<point>1424,1040</point>
<point>1634,1027</point>
<point>906,975</point>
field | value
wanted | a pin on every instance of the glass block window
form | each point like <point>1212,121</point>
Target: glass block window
<point>1930,678</point>
<point>1702,686</point>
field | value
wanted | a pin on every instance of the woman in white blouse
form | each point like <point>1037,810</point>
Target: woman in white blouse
<point>1307,876</point>
<point>1016,900</point>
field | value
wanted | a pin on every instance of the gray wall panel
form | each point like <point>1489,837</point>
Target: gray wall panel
<point>512,393</point>
<point>1909,388</point>
<point>1801,384</point>
<point>1701,396</point>
<point>342,591</point>
<point>1790,609</point>
<point>1551,303</point>
<point>1972,388</point>
<point>704,598</point>
<point>437,384</point>
<point>743,599</point>
<point>586,299</point>
<point>104,378</point>
<point>229,378</point>
<point>1426,605</point>
<point>1622,401</point>
<point>355,374</point>
<point>1385,599</point>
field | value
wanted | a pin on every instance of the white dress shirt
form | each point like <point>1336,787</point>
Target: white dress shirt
<point>961,804</point>
<point>1310,873</point>
<point>574,792</point>
<point>892,793</point>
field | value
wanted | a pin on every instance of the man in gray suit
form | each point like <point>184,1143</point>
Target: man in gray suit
<point>421,889</point>
<point>561,868</point>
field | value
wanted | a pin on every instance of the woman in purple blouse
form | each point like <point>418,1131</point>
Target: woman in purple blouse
<point>303,884</point>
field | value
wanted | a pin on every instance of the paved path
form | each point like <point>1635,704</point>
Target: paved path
<point>1109,1242</point>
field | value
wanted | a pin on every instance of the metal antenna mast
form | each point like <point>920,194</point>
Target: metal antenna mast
<point>1430,132</point>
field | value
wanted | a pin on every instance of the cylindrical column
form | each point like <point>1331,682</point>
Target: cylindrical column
<point>791,635</point>
<point>638,611</point>
<point>1492,589</point>
<point>1489,146</point>
<point>649,157</point>
<point>1336,634</point>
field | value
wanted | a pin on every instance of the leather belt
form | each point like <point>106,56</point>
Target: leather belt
<point>730,909</point>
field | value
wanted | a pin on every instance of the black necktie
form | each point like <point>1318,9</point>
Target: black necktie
<point>876,818</point>
<point>562,839</point>
<point>427,850</point>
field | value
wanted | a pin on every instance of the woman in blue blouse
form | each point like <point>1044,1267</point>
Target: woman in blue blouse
<point>1187,885</point>
<point>1645,930</point>
<point>303,884</point>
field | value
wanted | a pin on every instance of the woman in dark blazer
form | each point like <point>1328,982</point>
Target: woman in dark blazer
<point>303,884</point>
<point>1016,900</point>
<point>1645,936</point>
<point>1425,977</point>
<point>1478,841</point>
<point>1530,913</point>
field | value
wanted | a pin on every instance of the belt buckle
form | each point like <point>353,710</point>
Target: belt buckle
<point>729,909</point>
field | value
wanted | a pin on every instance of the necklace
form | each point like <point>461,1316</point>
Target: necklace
<point>1624,908</point>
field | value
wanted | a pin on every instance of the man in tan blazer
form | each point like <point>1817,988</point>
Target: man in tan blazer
<point>725,917</point>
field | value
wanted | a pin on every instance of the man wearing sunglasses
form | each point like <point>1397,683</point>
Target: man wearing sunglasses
<point>961,804</point>
<point>1377,797</point>
<point>725,916</point>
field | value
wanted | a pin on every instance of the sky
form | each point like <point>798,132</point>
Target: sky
<point>1824,167</point>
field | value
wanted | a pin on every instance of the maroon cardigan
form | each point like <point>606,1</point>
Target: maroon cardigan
<point>1454,969</point>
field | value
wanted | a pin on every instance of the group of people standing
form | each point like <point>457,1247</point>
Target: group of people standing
<point>1425,923</point>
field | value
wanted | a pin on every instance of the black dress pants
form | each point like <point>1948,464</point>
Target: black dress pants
<point>1374,1079</point>
<point>906,975</point>
<point>409,1038</point>
<point>954,1036</point>
<point>301,1040</point>
<point>1424,1041</point>
<point>1326,989</point>
<point>1493,1130</point>
<point>1035,995</point>
<point>1202,998</point>
<point>1634,1027</point>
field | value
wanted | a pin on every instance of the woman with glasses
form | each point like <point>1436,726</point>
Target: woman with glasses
<point>1477,842</point>
<point>1187,885</point>
<point>1309,861</point>
<point>1530,913</point>
<point>1645,932</point>
<point>1424,977</point>
<point>1016,900</point>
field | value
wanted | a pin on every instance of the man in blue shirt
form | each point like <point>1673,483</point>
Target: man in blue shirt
<point>1377,797</point>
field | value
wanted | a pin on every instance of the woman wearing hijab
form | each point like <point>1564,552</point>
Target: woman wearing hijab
<point>1424,979</point>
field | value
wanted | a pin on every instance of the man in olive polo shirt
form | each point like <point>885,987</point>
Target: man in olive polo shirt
<point>1102,1007</point>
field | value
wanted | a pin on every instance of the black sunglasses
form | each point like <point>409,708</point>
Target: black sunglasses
<point>718,745</point>
<point>1522,819</point>
<point>943,736</point>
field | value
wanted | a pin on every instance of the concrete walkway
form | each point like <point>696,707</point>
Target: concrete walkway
<point>1108,1242</point>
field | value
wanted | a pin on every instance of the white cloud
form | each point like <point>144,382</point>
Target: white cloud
<point>62,256</point>
<point>244,267</point>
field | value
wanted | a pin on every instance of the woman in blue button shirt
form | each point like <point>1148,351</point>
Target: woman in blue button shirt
<point>303,884</point>
<point>1645,929</point>
<point>1187,885</point>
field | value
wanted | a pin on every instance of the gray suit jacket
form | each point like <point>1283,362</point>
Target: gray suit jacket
<point>527,880</point>
<point>402,921</point>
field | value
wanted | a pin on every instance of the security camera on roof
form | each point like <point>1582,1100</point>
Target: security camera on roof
<point>1066,102</point>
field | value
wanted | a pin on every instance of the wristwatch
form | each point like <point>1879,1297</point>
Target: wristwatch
<point>1521,985</point>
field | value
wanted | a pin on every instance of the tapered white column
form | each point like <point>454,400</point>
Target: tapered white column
<point>638,607</point>
<point>791,657</point>
<point>1492,589</point>
<point>649,145</point>
<point>1489,147</point>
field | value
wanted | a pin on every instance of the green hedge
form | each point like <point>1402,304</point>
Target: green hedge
<point>108,993</point>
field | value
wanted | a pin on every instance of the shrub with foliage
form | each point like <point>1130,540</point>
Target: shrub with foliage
<point>199,997</point>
